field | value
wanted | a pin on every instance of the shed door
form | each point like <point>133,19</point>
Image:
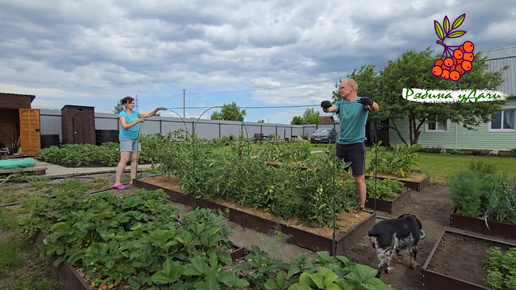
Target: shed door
<point>81,125</point>
<point>29,132</point>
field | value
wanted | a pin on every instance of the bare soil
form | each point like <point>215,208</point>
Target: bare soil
<point>432,206</point>
<point>468,254</point>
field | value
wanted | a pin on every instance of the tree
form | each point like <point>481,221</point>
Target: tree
<point>230,112</point>
<point>297,120</point>
<point>310,116</point>
<point>118,108</point>
<point>261,121</point>
<point>413,70</point>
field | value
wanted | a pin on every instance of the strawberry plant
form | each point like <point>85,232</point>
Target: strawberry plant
<point>302,272</point>
<point>137,239</point>
<point>74,155</point>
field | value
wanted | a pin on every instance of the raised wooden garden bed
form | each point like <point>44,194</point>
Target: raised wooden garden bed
<point>416,181</point>
<point>70,278</point>
<point>456,262</point>
<point>491,228</point>
<point>355,225</point>
<point>390,206</point>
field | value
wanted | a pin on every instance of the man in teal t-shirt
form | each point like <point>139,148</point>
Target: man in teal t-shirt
<point>353,111</point>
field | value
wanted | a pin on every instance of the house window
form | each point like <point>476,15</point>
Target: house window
<point>503,121</point>
<point>436,126</point>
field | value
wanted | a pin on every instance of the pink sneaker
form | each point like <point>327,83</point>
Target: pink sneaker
<point>119,186</point>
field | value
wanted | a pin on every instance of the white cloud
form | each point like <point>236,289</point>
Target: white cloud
<point>265,52</point>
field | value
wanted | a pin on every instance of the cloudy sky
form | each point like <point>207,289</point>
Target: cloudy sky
<point>272,58</point>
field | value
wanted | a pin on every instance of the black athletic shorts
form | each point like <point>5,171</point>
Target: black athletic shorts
<point>354,153</point>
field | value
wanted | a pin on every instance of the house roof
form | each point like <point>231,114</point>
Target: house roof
<point>327,120</point>
<point>10,95</point>
<point>498,58</point>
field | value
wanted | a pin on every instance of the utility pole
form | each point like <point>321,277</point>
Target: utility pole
<point>183,104</point>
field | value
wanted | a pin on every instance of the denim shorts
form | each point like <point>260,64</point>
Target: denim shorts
<point>131,145</point>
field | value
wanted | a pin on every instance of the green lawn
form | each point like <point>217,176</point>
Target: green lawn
<point>441,167</point>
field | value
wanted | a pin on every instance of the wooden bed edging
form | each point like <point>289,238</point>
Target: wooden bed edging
<point>297,236</point>
<point>71,279</point>
<point>389,206</point>
<point>477,225</point>
<point>433,280</point>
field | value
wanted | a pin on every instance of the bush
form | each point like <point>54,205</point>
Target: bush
<point>471,191</point>
<point>400,162</point>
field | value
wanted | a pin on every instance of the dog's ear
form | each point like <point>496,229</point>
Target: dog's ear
<point>405,214</point>
<point>418,222</point>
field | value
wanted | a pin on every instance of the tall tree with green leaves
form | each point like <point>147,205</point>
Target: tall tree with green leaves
<point>230,112</point>
<point>118,108</point>
<point>310,116</point>
<point>413,70</point>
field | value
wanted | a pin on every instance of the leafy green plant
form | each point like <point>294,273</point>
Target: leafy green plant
<point>386,189</point>
<point>501,268</point>
<point>302,272</point>
<point>502,203</point>
<point>471,191</point>
<point>136,238</point>
<point>482,166</point>
<point>400,162</point>
<point>75,155</point>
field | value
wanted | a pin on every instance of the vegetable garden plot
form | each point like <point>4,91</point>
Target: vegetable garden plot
<point>484,203</point>
<point>456,261</point>
<point>487,227</point>
<point>417,181</point>
<point>389,206</point>
<point>72,278</point>
<point>350,226</point>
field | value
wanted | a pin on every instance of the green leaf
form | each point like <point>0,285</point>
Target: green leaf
<point>270,284</point>
<point>457,33</point>
<point>438,30</point>
<point>318,279</point>
<point>280,279</point>
<point>299,287</point>
<point>305,279</point>
<point>59,260</point>
<point>361,273</point>
<point>329,278</point>
<point>458,21</point>
<point>159,278</point>
<point>446,24</point>
<point>212,282</point>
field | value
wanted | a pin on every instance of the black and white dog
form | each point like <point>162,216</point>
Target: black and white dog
<point>393,235</point>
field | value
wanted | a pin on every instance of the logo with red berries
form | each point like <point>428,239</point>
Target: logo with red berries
<point>455,60</point>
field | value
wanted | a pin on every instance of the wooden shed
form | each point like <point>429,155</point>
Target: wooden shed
<point>19,124</point>
<point>78,123</point>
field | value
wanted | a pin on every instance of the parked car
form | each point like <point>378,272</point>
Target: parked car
<point>324,135</point>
